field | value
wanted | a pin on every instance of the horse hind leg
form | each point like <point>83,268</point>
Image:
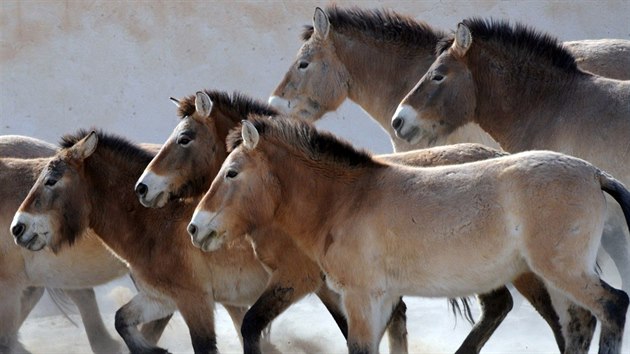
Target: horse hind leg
<point>495,306</point>
<point>615,243</point>
<point>609,305</point>
<point>576,323</point>
<point>30,297</point>
<point>10,319</point>
<point>141,309</point>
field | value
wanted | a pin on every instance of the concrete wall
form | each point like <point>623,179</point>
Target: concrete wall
<point>113,65</point>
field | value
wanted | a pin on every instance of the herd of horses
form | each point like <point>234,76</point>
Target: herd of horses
<point>472,200</point>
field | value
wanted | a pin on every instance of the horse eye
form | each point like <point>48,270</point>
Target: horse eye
<point>50,182</point>
<point>183,140</point>
<point>303,65</point>
<point>231,174</point>
<point>438,77</point>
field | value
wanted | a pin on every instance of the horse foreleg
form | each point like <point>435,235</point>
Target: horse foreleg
<point>237,314</point>
<point>30,297</point>
<point>367,313</point>
<point>332,302</point>
<point>153,330</point>
<point>100,339</point>
<point>272,302</point>
<point>10,315</point>
<point>397,329</point>
<point>495,306</point>
<point>198,313</point>
<point>141,309</point>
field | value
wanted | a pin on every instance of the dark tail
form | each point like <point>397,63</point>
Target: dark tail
<point>618,191</point>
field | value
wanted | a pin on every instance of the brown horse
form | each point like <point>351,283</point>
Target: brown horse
<point>186,165</point>
<point>381,230</point>
<point>92,179</point>
<point>375,57</point>
<point>525,89</point>
<point>23,276</point>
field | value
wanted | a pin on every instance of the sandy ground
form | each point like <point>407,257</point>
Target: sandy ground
<point>307,328</point>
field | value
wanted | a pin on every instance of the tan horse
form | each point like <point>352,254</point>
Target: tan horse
<point>526,90</point>
<point>186,165</point>
<point>23,276</point>
<point>92,179</point>
<point>375,57</point>
<point>380,231</point>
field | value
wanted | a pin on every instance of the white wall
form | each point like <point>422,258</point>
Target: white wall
<point>113,65</point>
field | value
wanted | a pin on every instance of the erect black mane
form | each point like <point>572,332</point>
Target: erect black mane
<point>238,105</point>
<point>520,37</point>
<point>111,142</point>
<point>317,145</point>
<point>381,24</point>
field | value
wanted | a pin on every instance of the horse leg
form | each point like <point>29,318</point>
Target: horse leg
<point>577,324</point>
<point>332,302</point>
<point>396,327</point>
<point>100,339</point>
<point>153,330</point>
<point>10,315</point>
<point>199,317</point>
<point>609,305</point>
<point>30,297</point>
<point>237,314</point>
<point>367,315</point>
<point>141,309</point>
<point>495,305</point>
<point>535,291</point>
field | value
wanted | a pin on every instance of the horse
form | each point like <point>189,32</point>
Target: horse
<point>526,90</point>
<point>91,178</point>
<point>71,273</point>
<point>185,167</point>
<point>381,230</point>
<point>375,57</point>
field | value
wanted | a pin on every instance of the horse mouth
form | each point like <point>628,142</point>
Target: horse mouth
<point>31,243</point>
<point>410,136</point>
<point>158,202</point>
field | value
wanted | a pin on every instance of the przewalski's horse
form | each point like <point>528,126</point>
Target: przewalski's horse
<point>92,179</point>
<point>375,57</point>
<point>190,159</point>
<point>381,230</point>
<point>23,276</point>
<point>184,168</point>
<point>526,90</point>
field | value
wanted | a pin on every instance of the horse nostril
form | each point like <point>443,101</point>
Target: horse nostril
<point>397,123</point>
<point>18,229</point>
<point>141,189</point>
<point>192,229</point>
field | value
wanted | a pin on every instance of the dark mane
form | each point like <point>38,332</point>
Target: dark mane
<point>110,142</point>
<point>316,145</point>
<point>518,37</point>
<point>238,106</point>
<point>383,24</point>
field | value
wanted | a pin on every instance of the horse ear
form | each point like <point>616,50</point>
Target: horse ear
<point>463,40</point>
<point>249,134</point>
<point>203,104</point>
<point>175,101</point>
<point>321,23</point>
<point>86,146</point>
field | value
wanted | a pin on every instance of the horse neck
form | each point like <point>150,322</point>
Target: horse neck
<point>381,73</point>
<point>127,227</point>
<point>519,99</point>
<point>314,198</point>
